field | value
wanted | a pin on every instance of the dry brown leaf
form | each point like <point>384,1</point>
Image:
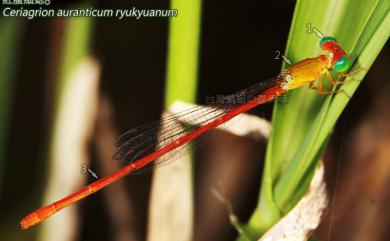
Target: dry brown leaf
<point>73,128</point>
<point>304,218</point>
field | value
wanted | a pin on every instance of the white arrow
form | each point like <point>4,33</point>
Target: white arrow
<point>92,173</point>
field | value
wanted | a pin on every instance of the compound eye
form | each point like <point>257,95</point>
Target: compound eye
<point>342,64</point>
<point>327,39</point>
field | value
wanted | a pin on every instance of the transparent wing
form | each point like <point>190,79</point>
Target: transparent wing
<point>144,140</point>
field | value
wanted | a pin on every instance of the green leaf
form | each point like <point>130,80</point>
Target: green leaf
<point>183,48</point>
<point>302,126</point>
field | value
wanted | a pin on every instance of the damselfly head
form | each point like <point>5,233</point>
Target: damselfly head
<point>328,40</point>
<point>338,57</point>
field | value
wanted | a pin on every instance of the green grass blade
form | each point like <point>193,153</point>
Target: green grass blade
<point>302,126</point>
<point>183,48</point>
<point>370,30</point>
<point>77,46</point>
